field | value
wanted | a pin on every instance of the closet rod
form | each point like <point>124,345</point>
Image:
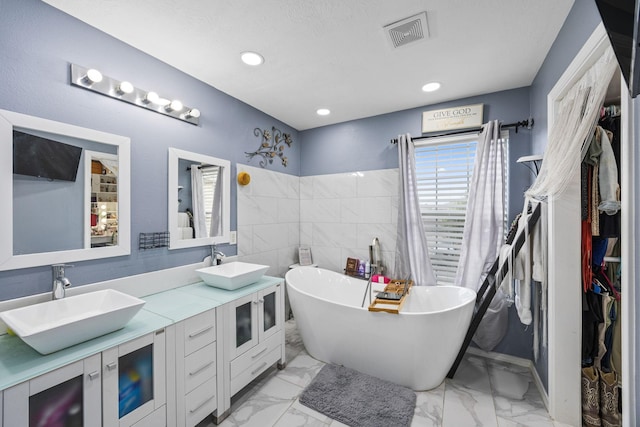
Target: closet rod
<point>528,123</point>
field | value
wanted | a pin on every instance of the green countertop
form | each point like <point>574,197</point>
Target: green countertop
<point>19,362</point>
<point>223,296</point>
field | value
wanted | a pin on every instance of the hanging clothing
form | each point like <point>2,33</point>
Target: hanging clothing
<point>608,177</point>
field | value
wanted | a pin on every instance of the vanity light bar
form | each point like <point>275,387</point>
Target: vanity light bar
<point>93,80</point>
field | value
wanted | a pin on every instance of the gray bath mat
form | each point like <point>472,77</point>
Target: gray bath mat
<point>357,399</point>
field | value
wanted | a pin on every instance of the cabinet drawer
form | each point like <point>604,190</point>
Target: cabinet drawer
<point>258,366</point>
<point>199,367</point>
<point>199,331</point>
<point>200,402</point>
<point>157,418</point>
<point>241,363</point>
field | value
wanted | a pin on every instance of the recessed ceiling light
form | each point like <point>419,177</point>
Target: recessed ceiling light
<point>251,58</point>
<point>323,111</point>
<point>430,87</point>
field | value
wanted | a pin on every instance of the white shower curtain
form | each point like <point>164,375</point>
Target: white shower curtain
<point>215,228</point>
<point>576,119</point>
<point>197,202</point>
<point>484,231</point>
<point>412,254</point>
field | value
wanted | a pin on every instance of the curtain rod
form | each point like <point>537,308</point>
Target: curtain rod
<point>528,123</point>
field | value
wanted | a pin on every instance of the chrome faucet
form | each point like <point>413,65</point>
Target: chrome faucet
<point>60,282</point>
<point>375,259</point>
<point>216,256</point>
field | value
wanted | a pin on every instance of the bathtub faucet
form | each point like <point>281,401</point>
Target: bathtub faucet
<point>376,267</point>
<point>375,257</point>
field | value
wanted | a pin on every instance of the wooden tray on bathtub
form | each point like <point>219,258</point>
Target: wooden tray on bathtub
<point>392,306</point>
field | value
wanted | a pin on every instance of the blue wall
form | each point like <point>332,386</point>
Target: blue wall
<point>365,145</point>
<point>37,44</point>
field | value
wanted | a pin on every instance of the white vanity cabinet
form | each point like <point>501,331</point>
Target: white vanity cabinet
<point>134,381</point>
<point>254,336</point>
<point>196,357</point>
<point>70,395</point>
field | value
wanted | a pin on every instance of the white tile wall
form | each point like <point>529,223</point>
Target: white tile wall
<point>340,214</point>
<point>336,215</point>
<point>269,219</point>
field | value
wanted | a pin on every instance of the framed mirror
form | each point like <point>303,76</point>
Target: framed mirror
<point>45,181</point>
<point>199,199</point>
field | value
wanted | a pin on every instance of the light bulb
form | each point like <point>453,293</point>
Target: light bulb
<point>124,88</point>
<point>151,98</point>
<point>163,102</point>
<point>175,105</point>
<point>93,76</point>
<point>194,112</point>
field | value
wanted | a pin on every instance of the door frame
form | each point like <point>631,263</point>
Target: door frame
<point>564,299</point>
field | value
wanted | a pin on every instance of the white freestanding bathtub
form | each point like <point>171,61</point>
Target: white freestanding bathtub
<point>415,348</point>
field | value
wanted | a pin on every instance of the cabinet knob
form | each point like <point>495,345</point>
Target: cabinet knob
<point>94,375</point>
<point>111,366</point>
<point>261,301</point>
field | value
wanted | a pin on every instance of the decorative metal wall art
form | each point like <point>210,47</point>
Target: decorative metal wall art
<point>272,144</point>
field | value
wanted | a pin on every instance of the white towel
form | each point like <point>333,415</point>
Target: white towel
<point>183,219</point>
<point>185,233</point>
<point>522,271</point>
<point>506,255</point>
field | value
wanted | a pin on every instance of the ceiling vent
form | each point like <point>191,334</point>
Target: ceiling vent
<point>408,30</point>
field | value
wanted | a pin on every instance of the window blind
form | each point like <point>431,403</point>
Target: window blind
<point>444,167</point>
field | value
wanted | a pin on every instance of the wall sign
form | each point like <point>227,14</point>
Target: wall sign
<point>469,116</point>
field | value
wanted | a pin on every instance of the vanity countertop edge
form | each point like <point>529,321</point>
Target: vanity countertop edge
<point>19,362</point>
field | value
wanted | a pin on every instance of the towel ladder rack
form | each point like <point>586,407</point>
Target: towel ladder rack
<point>489,287</point>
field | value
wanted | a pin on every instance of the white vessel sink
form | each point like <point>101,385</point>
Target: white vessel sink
<point>53,325</point>
<point>232,275</point>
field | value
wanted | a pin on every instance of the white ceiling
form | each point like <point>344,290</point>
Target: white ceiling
<point>334,53</point>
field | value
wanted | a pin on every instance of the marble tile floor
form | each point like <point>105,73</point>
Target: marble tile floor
<point>483,393</point>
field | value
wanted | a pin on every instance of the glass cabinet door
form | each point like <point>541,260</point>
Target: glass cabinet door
<point>68,396</point>
<point>58,405</point>
<point>243,323</point>
<point>270,311</point>
<point>134,379</point>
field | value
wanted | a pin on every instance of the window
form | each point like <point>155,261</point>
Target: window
<point>444,167</point>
